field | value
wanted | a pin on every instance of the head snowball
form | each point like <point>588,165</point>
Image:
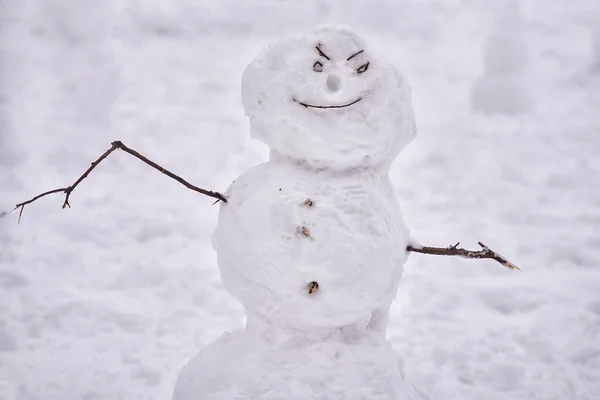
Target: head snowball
<point>323,97</point>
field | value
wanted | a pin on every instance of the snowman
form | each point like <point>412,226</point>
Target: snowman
<point>503,88</point>
<point>312,242</point>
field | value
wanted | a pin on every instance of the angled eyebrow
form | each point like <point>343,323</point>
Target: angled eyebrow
<point>318,47</point>
<point>354,55</point>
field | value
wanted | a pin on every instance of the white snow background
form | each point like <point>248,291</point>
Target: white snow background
<point>109,299</point>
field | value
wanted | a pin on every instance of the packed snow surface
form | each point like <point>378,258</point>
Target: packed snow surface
<point>273,363</point>
<point>109,299</point>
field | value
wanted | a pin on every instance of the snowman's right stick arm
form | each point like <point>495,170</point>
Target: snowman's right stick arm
<point>454,250</point>
<point>114,146</point>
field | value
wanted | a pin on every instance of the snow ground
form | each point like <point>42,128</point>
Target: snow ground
<point>109,299</point>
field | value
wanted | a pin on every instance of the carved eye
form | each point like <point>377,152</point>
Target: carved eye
<point>362,68</point>
<point>318,67</point>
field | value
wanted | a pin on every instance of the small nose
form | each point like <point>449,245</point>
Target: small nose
<point>333,82</point>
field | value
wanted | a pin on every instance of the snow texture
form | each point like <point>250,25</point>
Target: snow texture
<point>109,299</point>
<point>277,364</point>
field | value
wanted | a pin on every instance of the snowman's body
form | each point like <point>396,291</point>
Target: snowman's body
<point>323,210</point>
<point>286,225</point>
<point>269,363</point>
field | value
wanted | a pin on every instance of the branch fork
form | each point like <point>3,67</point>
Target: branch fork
<point>114,146</point>
<point>454,250</point>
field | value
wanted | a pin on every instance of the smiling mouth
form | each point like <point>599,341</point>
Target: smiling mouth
<point>334,106</point>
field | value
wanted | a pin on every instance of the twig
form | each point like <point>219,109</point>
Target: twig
<point>114,146</point>
<point>318,47</point>
<point>485,252</point>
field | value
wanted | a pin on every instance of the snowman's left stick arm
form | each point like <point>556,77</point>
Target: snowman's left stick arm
<point>454,250</point>
<point>114,146</point>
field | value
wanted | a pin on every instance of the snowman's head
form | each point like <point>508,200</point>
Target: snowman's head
<point>322,97</point>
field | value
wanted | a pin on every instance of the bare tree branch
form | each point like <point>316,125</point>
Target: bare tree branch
<point>485,252</point>
<point>114,146</point>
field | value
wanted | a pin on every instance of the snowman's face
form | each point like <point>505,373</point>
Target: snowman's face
<point>333,82</point>
<point>321,97</point>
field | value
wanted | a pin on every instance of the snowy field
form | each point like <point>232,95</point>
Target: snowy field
<point>109,299</point>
